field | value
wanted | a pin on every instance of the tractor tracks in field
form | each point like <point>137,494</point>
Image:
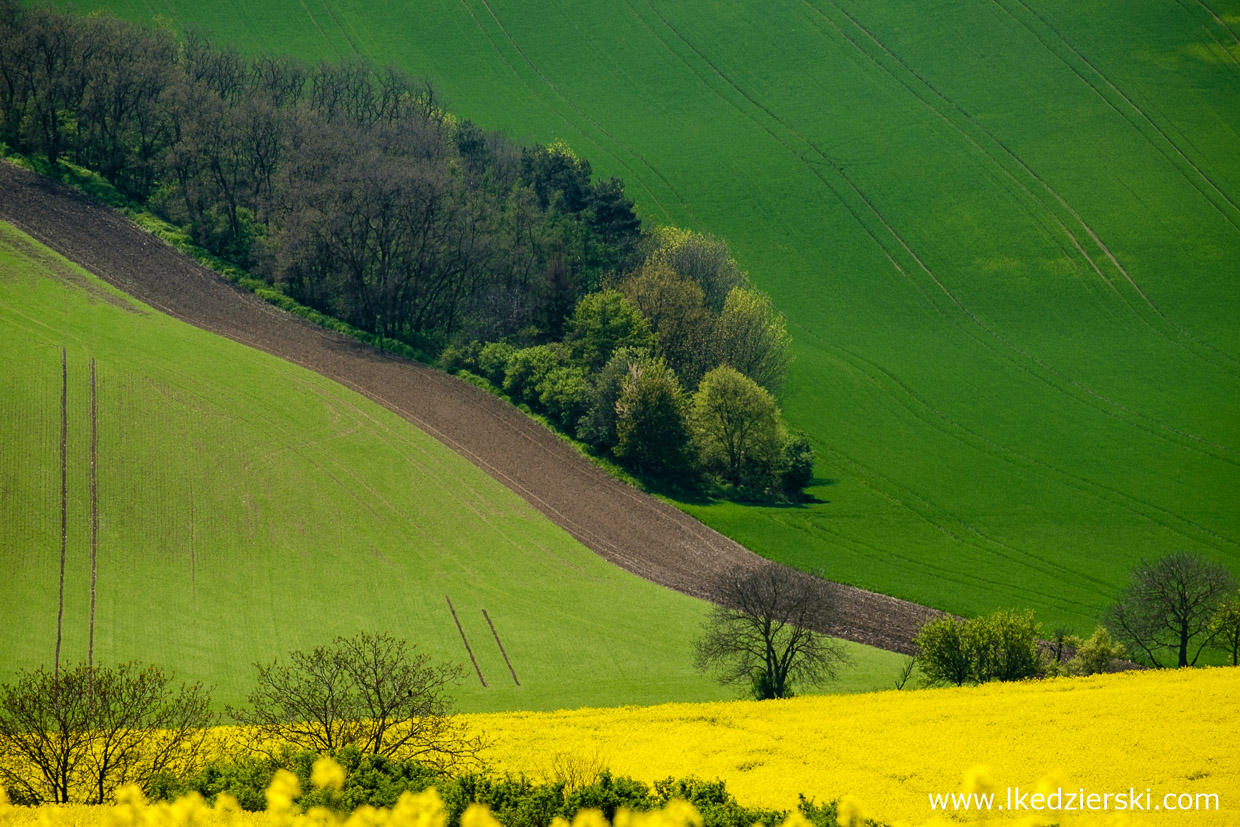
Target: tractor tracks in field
<point>896,248</point>
<point>558,95</point>
<point>631,529</point>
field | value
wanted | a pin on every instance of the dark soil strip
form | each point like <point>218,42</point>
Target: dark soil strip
<point>501,648</point>
<point>465,640</point>
<point>94,510</point>
<point>64,494</point>
<point>619,523</point>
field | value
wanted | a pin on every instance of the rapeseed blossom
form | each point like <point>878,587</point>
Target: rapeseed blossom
<point>1166,731</point>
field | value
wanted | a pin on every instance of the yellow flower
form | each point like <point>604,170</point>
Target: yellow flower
<point>848,813</point>
<point>283,789</point>
<point>424,809</point>
<point>478,815</point>
<point>327,774</point>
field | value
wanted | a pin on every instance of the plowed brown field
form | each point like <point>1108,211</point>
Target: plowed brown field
<point>623,525</point>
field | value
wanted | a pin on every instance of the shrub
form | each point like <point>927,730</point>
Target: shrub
<point>493,361</point>
<point>526,368</point>
<point>564,393</point>
<point>1094,655</point>
<point>1003,646</point>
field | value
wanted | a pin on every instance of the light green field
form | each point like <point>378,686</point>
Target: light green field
<point>248,507</point>
<point>1005,233</point>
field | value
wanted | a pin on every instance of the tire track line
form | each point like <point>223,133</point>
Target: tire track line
<point>94,510</point>
<point>465,640</point>
<point>564,98</point>
<point>501,648</point>
<point>1222,23</point>
<point>1137,110</point>
<point>1004,149</point>
<point>1218,21</point>
<point>64,497</point>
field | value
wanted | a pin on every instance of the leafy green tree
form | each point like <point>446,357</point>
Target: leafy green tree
<point>736,429</point>
<point>676,310</point>
<point>493,360</point>
<point>603,322</point>
<point>752,337</point>
<point>943,651</point>
<point>598,425</point>
<point>1095,654</point>
<point>798,462</point>
<point>564,393</point>
<point>1225,628</point>
<point>701,258</point>
<point>652,429</point>
<point>525,370</point>
<point>1004,646</point>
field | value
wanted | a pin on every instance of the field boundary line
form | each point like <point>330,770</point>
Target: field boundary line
<point>64,496</point>
<point>465,640</point>
<point>502,651</point>
<point>94,510</point>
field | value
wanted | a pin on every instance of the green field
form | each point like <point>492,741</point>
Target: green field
<point>247,507</point>
<point>1006,235</point>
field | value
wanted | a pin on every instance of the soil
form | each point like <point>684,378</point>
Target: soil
<point>623,525</point>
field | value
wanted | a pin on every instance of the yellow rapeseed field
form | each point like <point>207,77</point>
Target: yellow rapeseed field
<point>1144,739</point>
<point>1168,732</point>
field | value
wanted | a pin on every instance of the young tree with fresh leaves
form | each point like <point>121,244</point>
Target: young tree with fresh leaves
<point>1225,628</point>
<point>601,324</point>
<point>751,336</point>
<point>736,429</point>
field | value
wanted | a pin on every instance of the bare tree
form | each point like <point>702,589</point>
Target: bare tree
<point>763,632</point>
<point>78,734</point>
<point>371,692</point>
<point>1168,607</point>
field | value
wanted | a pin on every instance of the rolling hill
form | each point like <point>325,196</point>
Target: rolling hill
<point>1005,234</point>
<point>246,506</point>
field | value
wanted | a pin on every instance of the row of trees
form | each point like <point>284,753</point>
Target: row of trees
<point>77,735</point>
<point>1172,611</point>
<point>351,189</point>
<point>346,183</point>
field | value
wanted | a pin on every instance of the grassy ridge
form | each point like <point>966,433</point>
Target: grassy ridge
<point>248,507</point>
<point>1004,233</point>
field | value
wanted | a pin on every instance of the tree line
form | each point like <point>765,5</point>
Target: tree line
<point>672,368</point>
<point>349,188</point>
<point>344,182</point>
<point>1172,611</point>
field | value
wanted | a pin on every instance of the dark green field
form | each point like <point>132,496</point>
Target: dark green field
<point>1006,235</point>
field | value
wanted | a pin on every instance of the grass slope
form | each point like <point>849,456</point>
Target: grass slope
<point>1005,233</point>
<point>248,507</point>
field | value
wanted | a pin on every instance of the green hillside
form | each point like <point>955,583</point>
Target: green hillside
<point>1005,234</point>
<point>247,507</point>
